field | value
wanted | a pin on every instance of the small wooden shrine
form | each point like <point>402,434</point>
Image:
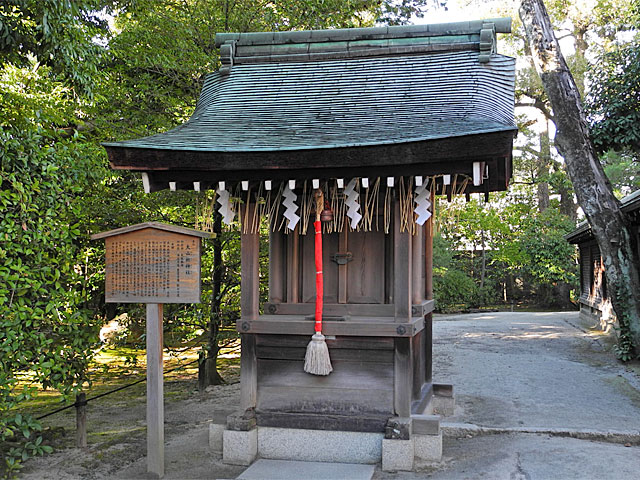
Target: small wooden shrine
<point>380,120</point>
<point>594,300</point>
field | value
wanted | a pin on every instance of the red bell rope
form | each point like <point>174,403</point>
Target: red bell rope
<point>319,277</point>
<point>317,360</point>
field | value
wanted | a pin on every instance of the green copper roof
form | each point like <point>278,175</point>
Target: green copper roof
<point>347,88</point>
<point>378,100</point>
<point>629,205</point>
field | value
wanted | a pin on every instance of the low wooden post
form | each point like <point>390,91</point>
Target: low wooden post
<point>155,395</point>
<point>81,420</point>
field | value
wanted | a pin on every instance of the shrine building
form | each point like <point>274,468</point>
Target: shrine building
<point>377,122</point>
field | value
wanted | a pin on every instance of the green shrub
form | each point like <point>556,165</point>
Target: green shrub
<point>485,295</point>
<point>453,290</point>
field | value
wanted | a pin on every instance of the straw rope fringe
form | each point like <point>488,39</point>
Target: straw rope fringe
<point>376,207</point>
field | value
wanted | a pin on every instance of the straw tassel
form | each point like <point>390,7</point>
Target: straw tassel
<point>317,360</point>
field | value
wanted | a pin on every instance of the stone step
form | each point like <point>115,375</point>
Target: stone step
<point>286,469</point>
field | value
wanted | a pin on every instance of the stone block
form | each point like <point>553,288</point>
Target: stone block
<point>397,455</point>
<point>319,445</point>
<point>444,406</point>
<point>426,424</point>
<point>240,448</point>
<point>216,434</point>
<point>427,449</point>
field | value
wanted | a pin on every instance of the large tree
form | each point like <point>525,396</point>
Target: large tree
<point>611,227</point>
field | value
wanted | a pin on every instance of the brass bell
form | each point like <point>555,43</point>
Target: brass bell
<point>327,214</point>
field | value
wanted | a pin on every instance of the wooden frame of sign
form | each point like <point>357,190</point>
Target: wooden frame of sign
<point>153,263</point>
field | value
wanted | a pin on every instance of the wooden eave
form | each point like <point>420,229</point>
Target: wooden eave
<point>155,225</point>
<point>630,205</point>
<point>453,155</point>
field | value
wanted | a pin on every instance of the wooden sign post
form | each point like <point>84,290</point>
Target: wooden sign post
<point>153,263</point>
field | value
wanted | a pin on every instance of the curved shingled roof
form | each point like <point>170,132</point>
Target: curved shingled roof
<point>287,90</point>
<point>426,98</point>
<point>344,103</point>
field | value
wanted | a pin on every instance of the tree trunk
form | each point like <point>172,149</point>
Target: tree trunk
<point>611,227</point>
<point>209,374</point>
<point>543,169</point>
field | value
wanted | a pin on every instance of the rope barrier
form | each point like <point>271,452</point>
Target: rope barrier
<point>80,404</point>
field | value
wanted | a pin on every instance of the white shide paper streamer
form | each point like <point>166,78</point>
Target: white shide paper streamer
<point>290,213</point>
<point>422,204</point>
<point>352,203</point>
<point>226,209</point>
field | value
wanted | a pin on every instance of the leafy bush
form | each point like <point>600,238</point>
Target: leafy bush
<point>483,296</point>
<point>47,337</point>
<point>452,289</point>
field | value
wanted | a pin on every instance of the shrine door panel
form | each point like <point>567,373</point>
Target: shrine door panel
<point>329,267</point>
<point>366,271</point>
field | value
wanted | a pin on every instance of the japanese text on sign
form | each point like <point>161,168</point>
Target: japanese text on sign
<point>159,268</point>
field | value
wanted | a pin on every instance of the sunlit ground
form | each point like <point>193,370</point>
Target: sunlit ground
<point>116,367</point>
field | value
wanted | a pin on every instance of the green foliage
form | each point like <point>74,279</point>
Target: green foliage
<point>54,33</point>
<point>46,334</point>
<point>547,257</point>
<point>622,170</point>
<point>625,349</point>
<point>452,289</point>
<point>613,103</point>
<point>508,244</point>
<point>20,439</point>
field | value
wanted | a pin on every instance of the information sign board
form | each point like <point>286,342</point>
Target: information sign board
<point>149,264</point>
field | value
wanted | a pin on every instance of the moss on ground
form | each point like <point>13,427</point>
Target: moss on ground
<point>113,368</point>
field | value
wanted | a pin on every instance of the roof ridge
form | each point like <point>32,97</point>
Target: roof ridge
<point>319,45</point>
<point>502,25</point>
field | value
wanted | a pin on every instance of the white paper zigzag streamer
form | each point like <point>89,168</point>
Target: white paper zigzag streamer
<point>290,213</point>
<point>226,209</point>
<point>422,204</point>
<point>352,203</point>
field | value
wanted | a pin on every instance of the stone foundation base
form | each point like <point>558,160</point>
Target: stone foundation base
<point>319,445</point>
<point>407,444</point>
<point>243,447</point>
<point>239,448</point>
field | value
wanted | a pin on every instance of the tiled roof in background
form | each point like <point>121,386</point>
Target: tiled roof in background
<point>629,204</point>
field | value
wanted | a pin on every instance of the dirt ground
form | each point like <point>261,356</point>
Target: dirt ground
<point>117,433</point>
<point>551,398</point>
